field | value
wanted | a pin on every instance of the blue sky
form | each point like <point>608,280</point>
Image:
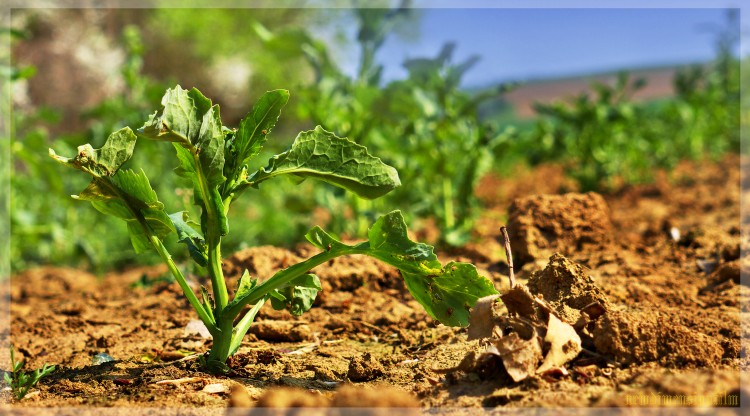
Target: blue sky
<point>523,44</point>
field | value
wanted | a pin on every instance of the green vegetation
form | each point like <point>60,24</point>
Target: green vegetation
<point>213,158</point>
<point>439,136</point>
<point>420,124</point>
<point>20,381</point>
<point>611,137</point>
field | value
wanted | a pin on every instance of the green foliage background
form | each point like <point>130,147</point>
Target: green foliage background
<point>417,124</point>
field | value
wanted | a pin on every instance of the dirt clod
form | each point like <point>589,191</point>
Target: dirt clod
<point>281,331</point>
<point>354,396</point>
<point>364,368</point>
<point>566,287</point>
<point>541,225</point>
<point>285,397</point>
<point>634,337</point>
<point>239,396</point>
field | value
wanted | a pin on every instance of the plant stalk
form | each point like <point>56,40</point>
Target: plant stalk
<point>189,294</point>
<point>213,237</point>
<point>450,220</point>
<point>509,255</point>
<point>283,277</point>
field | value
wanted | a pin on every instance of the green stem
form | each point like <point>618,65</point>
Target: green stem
<point>244,325</point>
<point>213,237</point>
<point>222,342</point>
<point>189,294</point>
<point>449,220</point>
<point>283,277</point>
<point>205,316</point>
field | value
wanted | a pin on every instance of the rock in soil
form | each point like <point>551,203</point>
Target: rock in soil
<point>541,225</point>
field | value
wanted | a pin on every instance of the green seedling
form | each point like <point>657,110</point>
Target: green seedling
<point>214,159</point>
<point>20,381</point>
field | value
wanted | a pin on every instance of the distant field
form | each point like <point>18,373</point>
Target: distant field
<point>659,85</point>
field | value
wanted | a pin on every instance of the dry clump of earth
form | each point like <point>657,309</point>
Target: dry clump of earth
<point>648,279</point>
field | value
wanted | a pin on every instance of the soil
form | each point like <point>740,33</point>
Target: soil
<point>660,263</point>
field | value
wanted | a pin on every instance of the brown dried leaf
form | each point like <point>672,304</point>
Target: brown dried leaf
<point>565,344</point>
<point>481,318</point>
<point>519,301</point>
<point>520,357</point>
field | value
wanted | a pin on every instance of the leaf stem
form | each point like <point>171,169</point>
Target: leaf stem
<point>283,277</point>
<point>213,237</point>
<point>244,325</point>
<point>189,294</point>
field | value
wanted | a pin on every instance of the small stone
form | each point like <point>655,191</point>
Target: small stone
<point>215,388</point>
<point>101,358</point>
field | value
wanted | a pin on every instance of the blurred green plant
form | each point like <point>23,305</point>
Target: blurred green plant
<point>609,138</point>
<point>45,231</point>
<point>441,141</point>
<point>597,137</point>
<point>48,231</point>
<point>425,124</point>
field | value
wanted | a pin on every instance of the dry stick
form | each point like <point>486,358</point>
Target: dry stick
<point>509,255</point>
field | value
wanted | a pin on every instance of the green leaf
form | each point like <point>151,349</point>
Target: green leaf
<point>121,193</point>
<point>298,296</point>
<point>189,119</point>
<point>105,161</point>
<point>258,123</point>
<point>322,240</point>
<point>245,287</point>
<point>449,295</point>
<point>246,284</point>
<point>320,154</point>
<point>446,292</point>
<point>389,242</point>
<point>180,119</point>
<point>186,234</point>
<point>210,147</point>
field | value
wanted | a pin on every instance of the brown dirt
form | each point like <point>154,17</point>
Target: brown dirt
<point>671,328</point>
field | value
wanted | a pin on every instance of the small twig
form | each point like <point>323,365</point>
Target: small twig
<point>509,255</point>
<point>179,381</point>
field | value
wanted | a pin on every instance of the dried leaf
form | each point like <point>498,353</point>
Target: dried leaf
<point>565,344</point>
<point>481,322</point>
<point>520,357</point>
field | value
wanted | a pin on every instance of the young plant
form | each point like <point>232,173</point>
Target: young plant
<point>19,381</point>
<point>214,158</point>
